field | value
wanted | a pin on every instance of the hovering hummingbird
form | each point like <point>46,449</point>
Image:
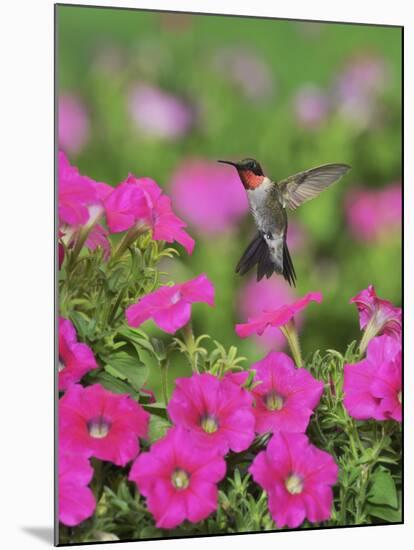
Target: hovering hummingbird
<point>268,201</point>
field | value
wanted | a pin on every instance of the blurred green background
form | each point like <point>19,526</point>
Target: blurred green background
<point>148,93</point>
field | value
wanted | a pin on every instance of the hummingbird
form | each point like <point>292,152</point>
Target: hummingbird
<point>268,201</point>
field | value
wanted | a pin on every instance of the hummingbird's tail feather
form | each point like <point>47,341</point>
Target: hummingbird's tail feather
<point>251,255</point>
<point>258,253</point>
<point>288,270</point>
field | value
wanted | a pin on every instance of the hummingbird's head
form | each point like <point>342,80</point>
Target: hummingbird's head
<point>250,172</point>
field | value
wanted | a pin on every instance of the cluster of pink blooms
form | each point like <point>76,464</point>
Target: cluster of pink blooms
<point>135,204</point>
<point>373,386</point>
<point>213,416</point>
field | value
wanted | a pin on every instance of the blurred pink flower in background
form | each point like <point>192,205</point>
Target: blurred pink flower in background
<point>364,74</point>
<point>73,123</point>
<point>372,214</point>
<point>255,297</point>
<point>357,87</point>
<point>311,106</point>
<point>76,499</point>
<point>210,198</point>
<point>246,70</point>
<point>157,113</point>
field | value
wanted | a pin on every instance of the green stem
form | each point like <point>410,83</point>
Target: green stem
<point>291,335</point>
<point>80,241</point>
<point>371,330</point>
<point>189,341</point>
<point>164,380</point>
<point>115,307</point>
<point>130,236</point>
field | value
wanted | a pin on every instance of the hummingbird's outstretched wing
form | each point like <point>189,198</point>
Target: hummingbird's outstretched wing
<point>307,185</point>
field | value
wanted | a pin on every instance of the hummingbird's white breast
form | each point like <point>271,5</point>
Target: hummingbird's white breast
<point>258,200</point>
<point>264,218</point>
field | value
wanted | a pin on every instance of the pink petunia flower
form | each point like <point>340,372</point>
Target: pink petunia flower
<point>254,297</point>
<point>76,194</point>
<point>217,413</point>
<point>73,124</point>
<point>170,306</point>
<point>238,377</point>
<point>377,316</point>
<point>157,113</point>
<point>96,422</point>
<point>75,358</point>
<point>285,397</point>
<point>277,317</point>
<point>373,387</point>
<point>373,214</point>
<point>81,206</point>
<point>139,203</point>
<point>311,106</point>
<point>76,500</point>
<point>209,197</point>
<point>178,479</point>
<point>297,477</point>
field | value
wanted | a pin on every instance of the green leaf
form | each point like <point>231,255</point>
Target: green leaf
<point>150,532</point>
<point>115,385</point>
<point>124,366</point>
<point>158,427</point>
<point>382,490</point>
<point>147,358</point>
<point>384,512</point>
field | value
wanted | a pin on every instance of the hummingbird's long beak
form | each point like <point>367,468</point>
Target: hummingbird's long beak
<point>228,162</point>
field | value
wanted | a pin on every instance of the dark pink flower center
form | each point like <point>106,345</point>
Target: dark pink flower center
<point>273,401</point>
<point>98,427</point>
<point>294,484</point>
<point>209,423</point>
<point>180,479</point>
